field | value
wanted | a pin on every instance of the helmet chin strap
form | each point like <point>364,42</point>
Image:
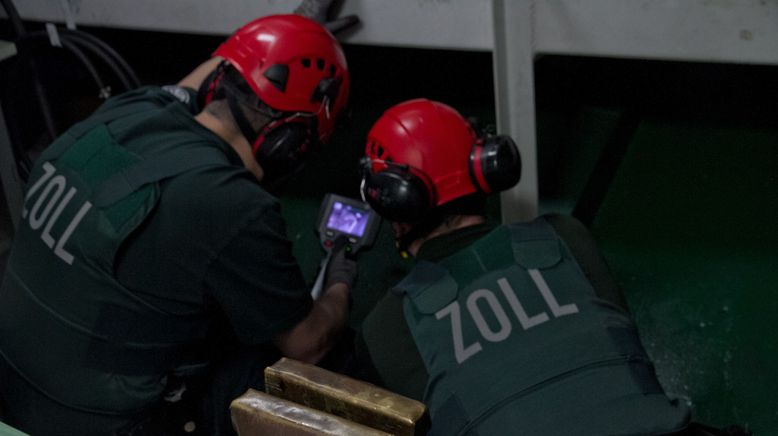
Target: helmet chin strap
<point>243,123</point>
<point>403,243</point>
<point>419,230</point>
<point>273,183</point>
<point>208,90</point>
<point>473,204</point>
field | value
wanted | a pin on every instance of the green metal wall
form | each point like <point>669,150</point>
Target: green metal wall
<point>688,224</point>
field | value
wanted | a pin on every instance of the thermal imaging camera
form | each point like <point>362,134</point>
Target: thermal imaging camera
<point>343,217</point>
<point>352,219</point>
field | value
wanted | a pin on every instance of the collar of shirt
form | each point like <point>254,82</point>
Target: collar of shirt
<point>444,245</point>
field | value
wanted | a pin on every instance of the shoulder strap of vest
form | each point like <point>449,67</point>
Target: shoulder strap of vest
<point>100,116</point>
<point>535,244</point>
<point>125,104</point>
<point>429,286</point>
<point>538,228</point>
<point>152,170</point>
<point>422,275</point>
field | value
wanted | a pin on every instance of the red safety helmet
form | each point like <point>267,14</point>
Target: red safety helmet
<point>294,65</point>
<point>422,154</point>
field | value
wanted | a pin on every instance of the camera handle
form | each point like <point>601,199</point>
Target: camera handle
<point>318,285</point>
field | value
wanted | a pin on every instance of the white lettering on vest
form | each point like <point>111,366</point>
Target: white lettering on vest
<point>37,219</point>
<point>48,172</point>
<point>556,309</point>
<point>46,236</point>
<point>462,353</point>
<point>59,250</point>
<point>480,322</point>
<point>49,200</point>
<point>526,322</point>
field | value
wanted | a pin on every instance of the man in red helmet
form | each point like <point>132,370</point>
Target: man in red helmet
<point>151,252</point>
<point>512,329</point>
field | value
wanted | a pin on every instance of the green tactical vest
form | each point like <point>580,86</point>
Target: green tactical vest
<point>515,342</point>
<point>75,324</point>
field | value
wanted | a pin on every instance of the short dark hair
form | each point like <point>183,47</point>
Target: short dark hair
<point>233,85</point>
<point>233,82</point>
<point>471,204</point>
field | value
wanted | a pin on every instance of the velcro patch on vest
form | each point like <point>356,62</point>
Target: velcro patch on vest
<point>535,245</point>
<point>538,254</point>
<point>96,157</point>
<point>429,286</point>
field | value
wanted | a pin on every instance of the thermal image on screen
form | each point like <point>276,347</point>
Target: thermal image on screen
<point>347,219</point>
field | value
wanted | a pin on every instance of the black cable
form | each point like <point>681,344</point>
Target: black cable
<point>66,44</point>
<point>43,102</point>
<point>129,71</point>
<point>22,159</point>
<point>13,16</point>
<point>42,36</point>
<point>75,42</point>
<point>95,50</point>
<point>96,47</point>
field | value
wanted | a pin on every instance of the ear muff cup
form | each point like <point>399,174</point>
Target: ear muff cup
<point>282,150</point>
<point>397,194</point>
<point>495,165</point>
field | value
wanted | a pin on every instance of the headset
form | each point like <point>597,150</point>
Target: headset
<point>283,143</point>
<point>299,73</point>
<point>403,193</point>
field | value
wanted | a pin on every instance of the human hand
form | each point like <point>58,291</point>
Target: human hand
<point>321,10</point>
<point>342,267</point>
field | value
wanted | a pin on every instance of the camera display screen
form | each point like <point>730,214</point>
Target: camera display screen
<point>348,219</point>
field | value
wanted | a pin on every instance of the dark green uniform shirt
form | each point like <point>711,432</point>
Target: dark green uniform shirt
<point>216,242</point>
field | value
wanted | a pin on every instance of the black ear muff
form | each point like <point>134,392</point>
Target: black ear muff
<point>397,194</point>
<point>282,149</point>
<point>495,164</point>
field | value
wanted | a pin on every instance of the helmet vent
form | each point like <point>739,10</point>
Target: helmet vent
<point>306,62</point>
<point>376,150</point>
<point>333,70</point>
<point>278,75</point>
<point>320,64</point>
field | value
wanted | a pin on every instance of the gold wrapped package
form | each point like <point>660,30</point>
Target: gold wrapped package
<point>259,414</point>
<point>346,397</point>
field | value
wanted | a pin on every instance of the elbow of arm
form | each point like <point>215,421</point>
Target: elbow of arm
<point>305,346</point>
<point>316,334</point>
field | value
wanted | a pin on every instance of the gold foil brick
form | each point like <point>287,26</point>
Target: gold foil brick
<point>259,414</point>
<point>346,397</point>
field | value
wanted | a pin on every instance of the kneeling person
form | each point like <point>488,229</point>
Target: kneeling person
<point>505,327</point>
